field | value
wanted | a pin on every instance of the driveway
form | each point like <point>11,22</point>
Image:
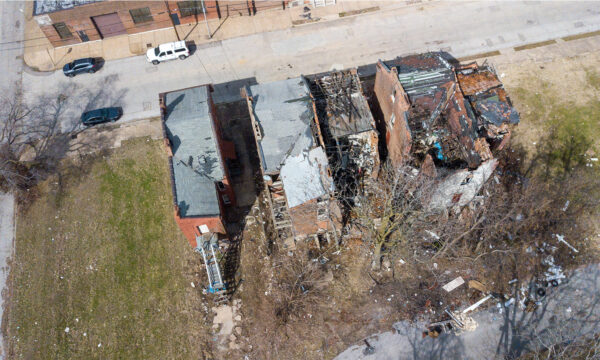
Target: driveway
<point>460,28</point>
<point>568,311</point>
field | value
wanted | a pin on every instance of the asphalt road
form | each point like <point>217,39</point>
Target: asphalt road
<point>460,28</point>
<point>568,311</point>
<point>12,22</point>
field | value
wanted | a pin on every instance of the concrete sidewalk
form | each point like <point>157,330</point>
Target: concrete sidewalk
<point>7,240</point>
<point>40,55</point>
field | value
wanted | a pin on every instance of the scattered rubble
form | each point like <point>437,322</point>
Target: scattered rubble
<point>453,284</point>
<point>445,120</point>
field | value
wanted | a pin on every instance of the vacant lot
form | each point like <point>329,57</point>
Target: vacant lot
<point>101,269</point>
<point>559,102</point>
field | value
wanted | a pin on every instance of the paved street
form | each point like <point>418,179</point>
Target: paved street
<point>12,21</point>
<point>462,28</point>
<point>569,310</point>
<point>7,231</point>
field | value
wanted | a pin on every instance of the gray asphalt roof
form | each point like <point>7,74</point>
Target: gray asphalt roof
<point>283,111</point>
<point>196,158</point>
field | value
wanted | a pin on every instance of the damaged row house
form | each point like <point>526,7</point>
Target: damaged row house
<point>312,135</point>
<point>348,125</point>
<point>293,161</point>
<point>200,180</point>
<point>448,121</point>
<point>317,137</point>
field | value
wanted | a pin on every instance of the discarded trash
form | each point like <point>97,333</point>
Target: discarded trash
<point>566,206</point>
<point>468,323</point>
<point>512,281</point>
<point>67,329</point>
<point>192,283</point>
<point>402,261</point>
<point>369,350</point>
<point>509,302</point>
<point>477,304</point>
<point>561,239</point>
<point>569,309</point>
<point>474,284</point>
<point>434,235</point>
<point>453,284</point>
<point>531,305</point>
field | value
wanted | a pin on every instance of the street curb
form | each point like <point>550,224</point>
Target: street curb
<point>32,71</point>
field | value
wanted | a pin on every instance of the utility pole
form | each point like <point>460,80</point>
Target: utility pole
<point>206,20</point>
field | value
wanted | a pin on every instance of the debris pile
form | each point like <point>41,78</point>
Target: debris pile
<point>448,121</point>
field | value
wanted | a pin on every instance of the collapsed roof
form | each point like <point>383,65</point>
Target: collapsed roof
<point>305,177</point>
<point>285,129</point>
<point>455,115</point>
<point>346,108</point>
<point>283,112</point>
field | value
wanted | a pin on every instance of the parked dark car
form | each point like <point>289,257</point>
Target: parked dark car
<point>87,65</point>
<point>100,116</point>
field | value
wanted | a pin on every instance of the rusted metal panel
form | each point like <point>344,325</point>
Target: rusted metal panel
<point>109,25</point>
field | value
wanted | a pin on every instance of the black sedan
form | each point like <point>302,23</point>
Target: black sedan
<point>100,116</point>
<point>87,65</point>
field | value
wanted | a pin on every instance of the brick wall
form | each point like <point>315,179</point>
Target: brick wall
<point>306,222</point>
<point>393,101</point>
<point>211,8</point>
<point>79,19</point>
<point>227,150</point>
<point>189,226</point>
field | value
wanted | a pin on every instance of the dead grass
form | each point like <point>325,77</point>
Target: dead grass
<point>534,45</point>
<point>357,12</point>
<point>581,36</point>
<point>479,56</point>
<point>560,94</point>
<point>101,269</point>
<point>559,107</point>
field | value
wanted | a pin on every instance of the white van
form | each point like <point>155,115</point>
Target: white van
<point>168,51</point>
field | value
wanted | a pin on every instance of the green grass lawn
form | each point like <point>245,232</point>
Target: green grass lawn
<point>99,253</point>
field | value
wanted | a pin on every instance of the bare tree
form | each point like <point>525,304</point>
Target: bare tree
<point>389,209</point>
<point>32,138</point>
<point>14,114</point>
<point>297,285</point>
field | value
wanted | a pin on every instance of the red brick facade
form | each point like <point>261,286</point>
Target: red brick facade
<point>190,226</point>
<point>393,103</point>
<point>79,20</point>
<point>306,220</point>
